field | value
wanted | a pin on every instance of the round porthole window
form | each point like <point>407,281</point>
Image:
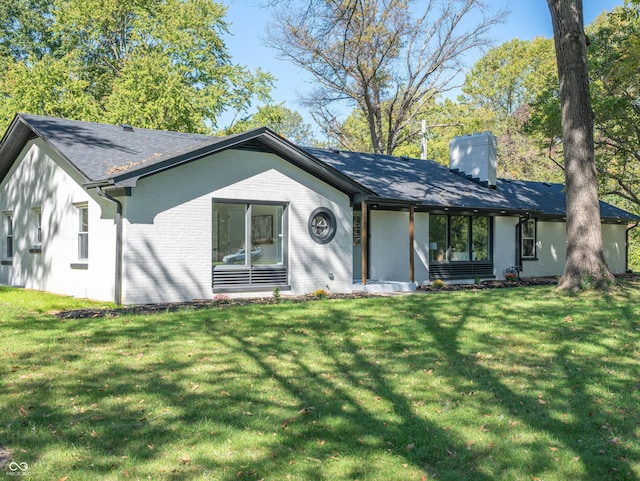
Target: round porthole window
<point>322,225</point>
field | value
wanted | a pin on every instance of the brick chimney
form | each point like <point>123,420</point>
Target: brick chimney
<point>474,156</point>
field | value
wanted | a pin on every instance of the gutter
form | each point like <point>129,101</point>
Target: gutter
<point>118,279</point>
<point>626,246</point>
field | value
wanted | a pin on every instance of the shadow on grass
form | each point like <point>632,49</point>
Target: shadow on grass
<point>372,389</point>
<point>565,400</point>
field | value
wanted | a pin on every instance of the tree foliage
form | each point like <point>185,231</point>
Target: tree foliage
<point>152,63</point>
<point>511,81</point>
<point>25,29</point>
<point>511,75</point>
<point>281,120</point>
<point>387,59</point>
<point>613,60</point>
<point>615,93</point>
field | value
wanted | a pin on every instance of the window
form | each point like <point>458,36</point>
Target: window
<point>357,229</point>
<point>83,231</point>
<point>7,251</point>
<point>528,239</point>
<point>480,235</point>
<point>322,225</point>
<point>248,244</point>
<point>459,238</point>
<point>437,237</point>
<point>36,222</point>
<point>460,246</point>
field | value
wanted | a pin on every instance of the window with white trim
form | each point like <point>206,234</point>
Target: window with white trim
<point>528,239</point>
<point>36,223</point>
<point>83,231</point>
<point>7,248</point>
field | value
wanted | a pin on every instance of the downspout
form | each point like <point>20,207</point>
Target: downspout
<point>364,237</point>
<point>118,279</point>
<point>412,277</point>
<point>626,247</point>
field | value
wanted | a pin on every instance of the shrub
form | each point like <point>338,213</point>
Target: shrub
<point>320,294</point>
<point>220,299</point>
<point>276,294</point>
<point>438,284</point>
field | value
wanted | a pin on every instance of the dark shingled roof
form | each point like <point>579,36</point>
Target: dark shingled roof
<point>417,181</point>
<point>119,154</point>
<point>432,185</point>
<point>102,151</point>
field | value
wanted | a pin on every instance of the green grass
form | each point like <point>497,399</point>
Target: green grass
<point>508,384</point>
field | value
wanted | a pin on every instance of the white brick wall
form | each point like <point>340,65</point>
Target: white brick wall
<point>169,215</point>
<point>168,223</point>
<point>36,180</point>
<point>551,248</point>
<point>613,240</point>
<point>389,246</point>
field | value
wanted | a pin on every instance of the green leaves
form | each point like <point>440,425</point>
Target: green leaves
<point>156,64</point>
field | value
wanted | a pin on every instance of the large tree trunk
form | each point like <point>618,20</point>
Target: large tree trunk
<point>585,265</point>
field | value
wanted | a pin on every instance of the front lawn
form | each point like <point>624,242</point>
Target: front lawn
<point>504,384</point>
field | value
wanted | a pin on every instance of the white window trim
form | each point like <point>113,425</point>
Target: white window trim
<point>36,220</point>
<point>82,242</point>
<point>533,238</point>
<point>8,233</point>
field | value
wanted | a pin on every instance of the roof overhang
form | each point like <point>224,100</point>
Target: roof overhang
<point>17,135</point>
<point>258,139</point>
<point>13,141</point>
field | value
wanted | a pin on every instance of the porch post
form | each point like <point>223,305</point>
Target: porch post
<point>364,237</point>
<point>411,237</point>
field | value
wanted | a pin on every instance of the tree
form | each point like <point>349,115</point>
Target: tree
<point>281,120</point>
<point>511,75</point>
<point>585,255</point>
<point>615,90</point>
<point>25,29</point>
<point>511,81</point>
<point>152,63</point>
<point>48,87</point>
<point>385,58</point>
<point>613,59</point>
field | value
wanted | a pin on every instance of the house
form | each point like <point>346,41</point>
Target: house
<point>118,213</point>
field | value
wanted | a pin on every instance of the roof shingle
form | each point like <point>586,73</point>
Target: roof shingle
<point>103,152</point>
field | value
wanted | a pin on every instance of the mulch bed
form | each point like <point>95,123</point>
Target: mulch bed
<point>542,281</point>
<point>223,301</point>
<point>195,304</point>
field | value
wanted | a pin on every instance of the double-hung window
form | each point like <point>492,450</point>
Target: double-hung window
<point>83,231</point>
<point>36,229</point>
<point>528,239</point>
<point>7,250</point>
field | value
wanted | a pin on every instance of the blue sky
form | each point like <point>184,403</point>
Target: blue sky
<point>528,19</point>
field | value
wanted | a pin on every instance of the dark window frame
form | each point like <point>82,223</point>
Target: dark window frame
<point>470,238</point>
<point>247,276</point>
<point>449,268</point>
